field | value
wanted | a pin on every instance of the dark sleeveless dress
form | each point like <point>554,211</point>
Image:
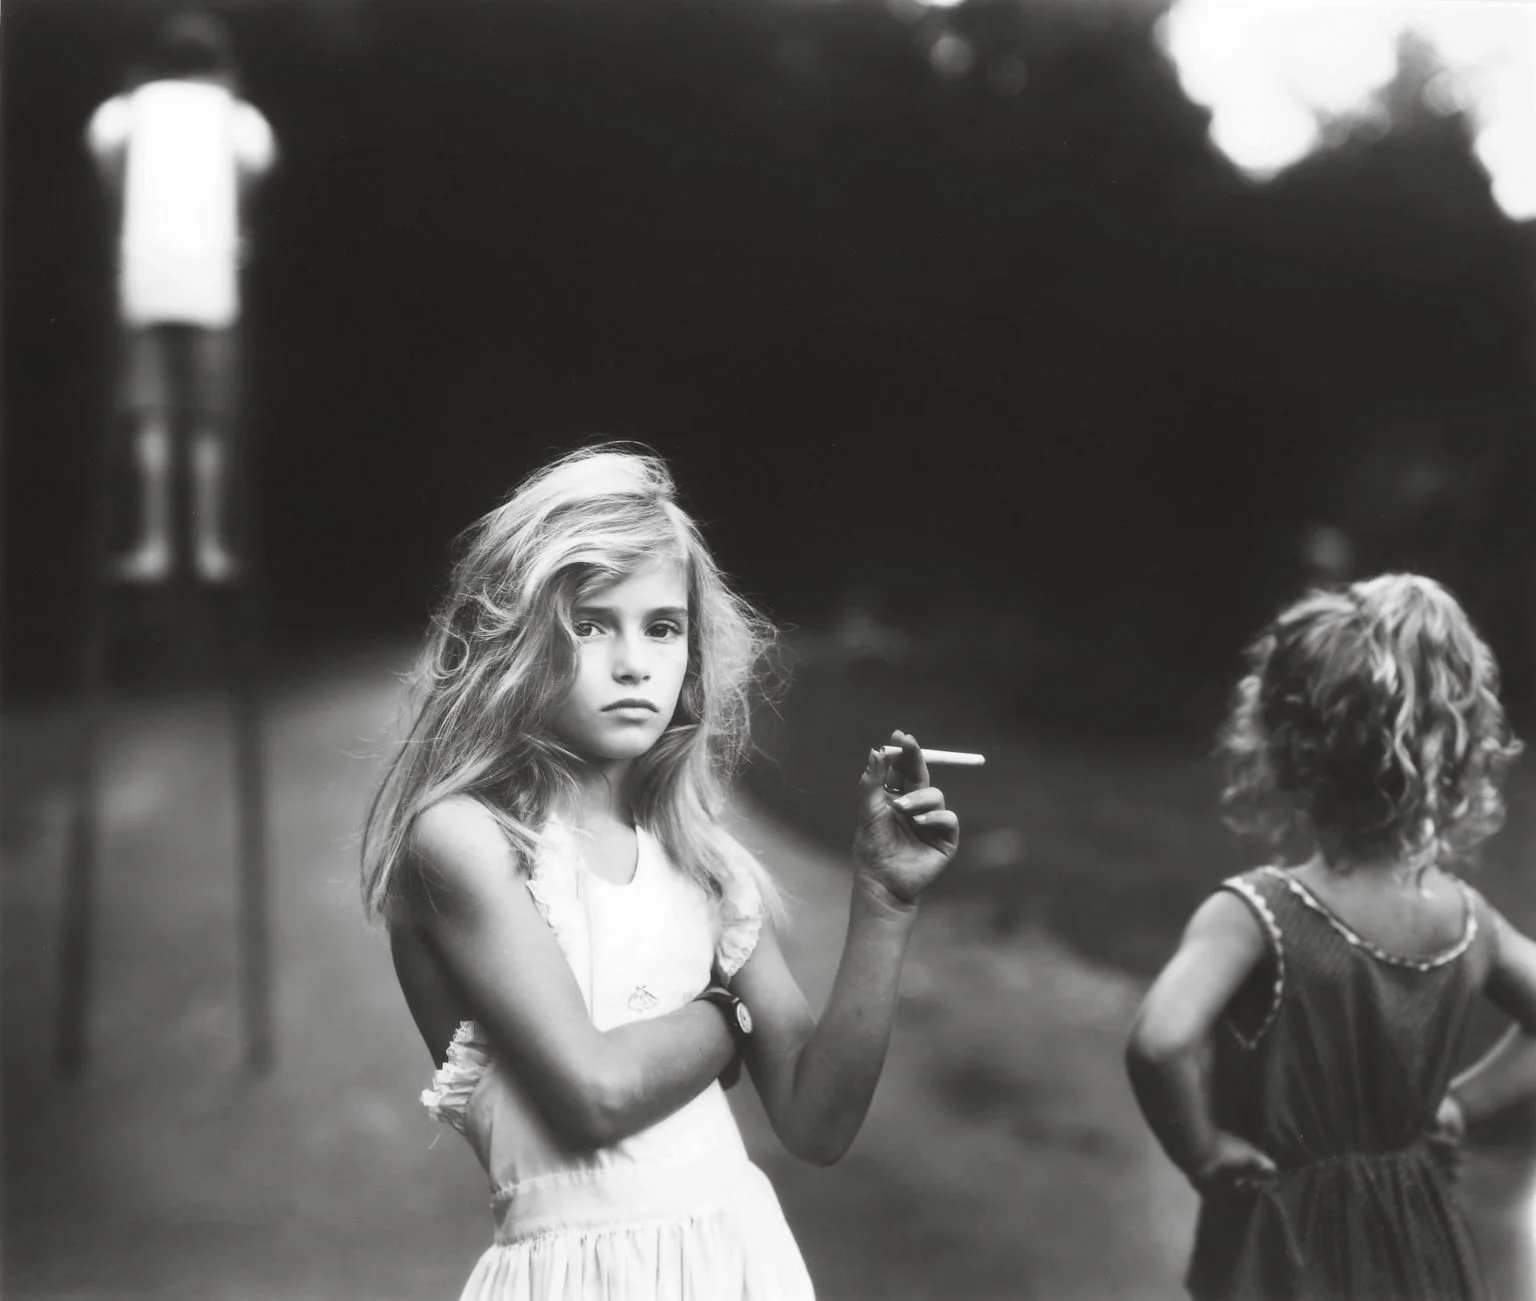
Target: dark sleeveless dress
<point>1333,1059</point>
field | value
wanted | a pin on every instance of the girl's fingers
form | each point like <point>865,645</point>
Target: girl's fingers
<point>939,820</point>
<point>925,800</point>
<point>908,770</point>
<point>1254,1173</point>
<point>873,783</point>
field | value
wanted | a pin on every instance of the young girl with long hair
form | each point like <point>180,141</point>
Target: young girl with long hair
<point>1296,1056</point>
<point>583,945</point>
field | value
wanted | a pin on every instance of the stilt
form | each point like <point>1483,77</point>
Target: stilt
<point>191,608</point>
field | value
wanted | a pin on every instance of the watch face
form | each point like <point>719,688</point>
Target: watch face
<point>743,1018</point>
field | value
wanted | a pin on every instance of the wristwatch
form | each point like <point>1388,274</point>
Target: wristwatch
<point>736,1014</point>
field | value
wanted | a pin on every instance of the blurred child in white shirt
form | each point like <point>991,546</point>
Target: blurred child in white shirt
<point>180,153</point>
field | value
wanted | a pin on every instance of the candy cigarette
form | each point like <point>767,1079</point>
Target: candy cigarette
<point>960,758</point>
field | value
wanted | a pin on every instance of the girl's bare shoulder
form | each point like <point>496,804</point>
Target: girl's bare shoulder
<point>1231,915</point>
<point>455,825</point>
<point>455,848</point>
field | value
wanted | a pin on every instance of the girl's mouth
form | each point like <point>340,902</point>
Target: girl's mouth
<point>630,707</point>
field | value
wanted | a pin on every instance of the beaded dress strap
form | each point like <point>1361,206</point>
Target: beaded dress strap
<point>1254,898</point>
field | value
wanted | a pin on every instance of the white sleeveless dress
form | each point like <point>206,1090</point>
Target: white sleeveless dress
<point>676,1212</point>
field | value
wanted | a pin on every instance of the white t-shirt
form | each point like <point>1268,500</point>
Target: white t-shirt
<point>185,145</point>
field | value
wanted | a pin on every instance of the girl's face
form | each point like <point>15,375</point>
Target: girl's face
<point>632,654</point>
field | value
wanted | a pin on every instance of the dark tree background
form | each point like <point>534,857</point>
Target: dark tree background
<point>1005,346</point>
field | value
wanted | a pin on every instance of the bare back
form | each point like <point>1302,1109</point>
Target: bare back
<point>436,1004</point>
<point>1414,921</point>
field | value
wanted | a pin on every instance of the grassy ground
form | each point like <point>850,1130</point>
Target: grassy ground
<point>1108,843</point>
<point>1002,1158</point>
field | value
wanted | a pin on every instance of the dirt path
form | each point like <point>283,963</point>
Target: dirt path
<point>1002,1157</point>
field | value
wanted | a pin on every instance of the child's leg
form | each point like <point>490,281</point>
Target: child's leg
<point>146,394</point>
<point>213,361</point>
<point>150,559</point>
<point>211,552</point>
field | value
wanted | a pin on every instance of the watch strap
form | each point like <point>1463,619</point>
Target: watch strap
<point>738,1018</point>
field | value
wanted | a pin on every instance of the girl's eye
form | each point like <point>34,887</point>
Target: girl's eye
<point>585,628</point>
<point>666,630</point>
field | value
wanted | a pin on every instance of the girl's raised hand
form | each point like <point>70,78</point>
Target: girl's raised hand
<point>906,836</point>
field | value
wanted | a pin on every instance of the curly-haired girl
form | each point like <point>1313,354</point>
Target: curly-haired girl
<point>584,946</point>
<point>1294,1057</point>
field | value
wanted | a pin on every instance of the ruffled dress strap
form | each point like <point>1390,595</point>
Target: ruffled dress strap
<point>556,881</point>
<point>741,925</point>
<point>454,1082</point>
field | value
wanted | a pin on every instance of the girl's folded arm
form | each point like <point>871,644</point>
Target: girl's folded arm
<point>816,1078</point>
<point>595,1087</point>
<point>1506,1075</point>
<point>1167,1056</point>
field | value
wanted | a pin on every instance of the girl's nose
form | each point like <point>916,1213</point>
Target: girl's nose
<point>629,661</point>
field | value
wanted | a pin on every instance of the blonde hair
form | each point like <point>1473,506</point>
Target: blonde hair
<point>1372,714</point>
<point>501,658</point>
